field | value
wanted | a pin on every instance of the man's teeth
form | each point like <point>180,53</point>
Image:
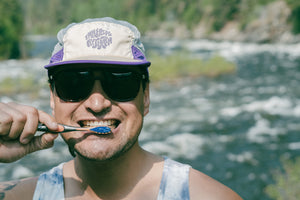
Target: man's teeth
<point>100,123</point>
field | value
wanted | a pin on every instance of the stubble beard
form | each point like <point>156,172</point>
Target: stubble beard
<point>112,154</point>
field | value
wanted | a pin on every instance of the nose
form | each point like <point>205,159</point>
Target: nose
<point>97,101</point>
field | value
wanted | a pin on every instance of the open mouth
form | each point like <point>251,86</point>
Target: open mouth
<point>111,123</point>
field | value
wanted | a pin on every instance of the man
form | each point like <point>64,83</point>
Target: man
<point>98,76</point>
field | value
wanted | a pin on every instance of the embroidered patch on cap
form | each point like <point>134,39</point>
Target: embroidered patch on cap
<point>98,38</point>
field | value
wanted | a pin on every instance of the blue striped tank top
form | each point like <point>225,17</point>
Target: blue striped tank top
<point>174,184</point>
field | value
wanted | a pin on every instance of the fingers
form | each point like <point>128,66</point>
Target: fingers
<point>34,117</point>
<point>13,150</point>
<point>47,139</point>
<point>18,125</point>
<point>12,121</point>
<point>42,142</point>
<point>31,119</point>
<point>48,120</point>
<point>20,121</point>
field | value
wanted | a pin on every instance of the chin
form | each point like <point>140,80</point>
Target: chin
<point>100,157</point>
<point>102,152</point>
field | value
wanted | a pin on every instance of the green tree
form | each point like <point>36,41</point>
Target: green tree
<point>286,186</point>
<point>11,28</point>
<point>295,17</point>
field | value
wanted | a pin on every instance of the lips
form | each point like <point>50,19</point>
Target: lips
<point>111,123</point>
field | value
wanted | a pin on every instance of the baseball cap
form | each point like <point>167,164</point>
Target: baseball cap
<point>104,41</point>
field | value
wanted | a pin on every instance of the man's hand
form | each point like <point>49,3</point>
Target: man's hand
<point>18,124</point>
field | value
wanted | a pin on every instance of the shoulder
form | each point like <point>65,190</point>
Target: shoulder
<point>205,187</point>
<point>21,189</point>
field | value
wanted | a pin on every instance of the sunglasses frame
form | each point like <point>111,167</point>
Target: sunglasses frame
<point>141,74</point>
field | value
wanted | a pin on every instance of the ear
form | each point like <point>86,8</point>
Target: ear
<point>146,100</point>
<point>52,103</point>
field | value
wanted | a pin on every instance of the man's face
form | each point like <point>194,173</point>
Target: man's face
<point>124,118</point>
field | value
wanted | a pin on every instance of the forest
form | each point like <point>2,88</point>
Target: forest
<point>29,17</point>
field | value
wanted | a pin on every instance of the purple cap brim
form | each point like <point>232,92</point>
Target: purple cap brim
<point>144,63</point>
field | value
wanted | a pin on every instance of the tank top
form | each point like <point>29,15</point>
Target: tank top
<point>174,184</point>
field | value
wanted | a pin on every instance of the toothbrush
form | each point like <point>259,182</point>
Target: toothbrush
<point>98,129</point>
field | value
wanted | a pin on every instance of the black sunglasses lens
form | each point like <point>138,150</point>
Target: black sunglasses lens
<point>77,85</point>
<point>73,85</point>
<point>122,86</point>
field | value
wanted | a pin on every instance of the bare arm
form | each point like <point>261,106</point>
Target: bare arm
<point>5,187</point>
<point>204,187</point>
<point>15,190</point>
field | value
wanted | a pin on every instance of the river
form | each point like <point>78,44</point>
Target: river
<point>236,128</point>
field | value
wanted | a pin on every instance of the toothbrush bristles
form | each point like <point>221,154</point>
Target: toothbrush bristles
<point>101,129</point>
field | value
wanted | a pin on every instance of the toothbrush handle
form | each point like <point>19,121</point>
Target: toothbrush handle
<point>44,128</point>
<point>63,128</point>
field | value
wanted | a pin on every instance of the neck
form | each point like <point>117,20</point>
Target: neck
<point>117,176</point>
<point>90,169</point>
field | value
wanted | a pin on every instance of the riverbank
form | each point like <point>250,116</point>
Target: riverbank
<point>267,24</point>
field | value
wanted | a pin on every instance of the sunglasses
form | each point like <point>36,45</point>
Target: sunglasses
<point>74,85</point>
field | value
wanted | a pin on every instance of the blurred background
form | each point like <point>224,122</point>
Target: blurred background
<point>225,78</point>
